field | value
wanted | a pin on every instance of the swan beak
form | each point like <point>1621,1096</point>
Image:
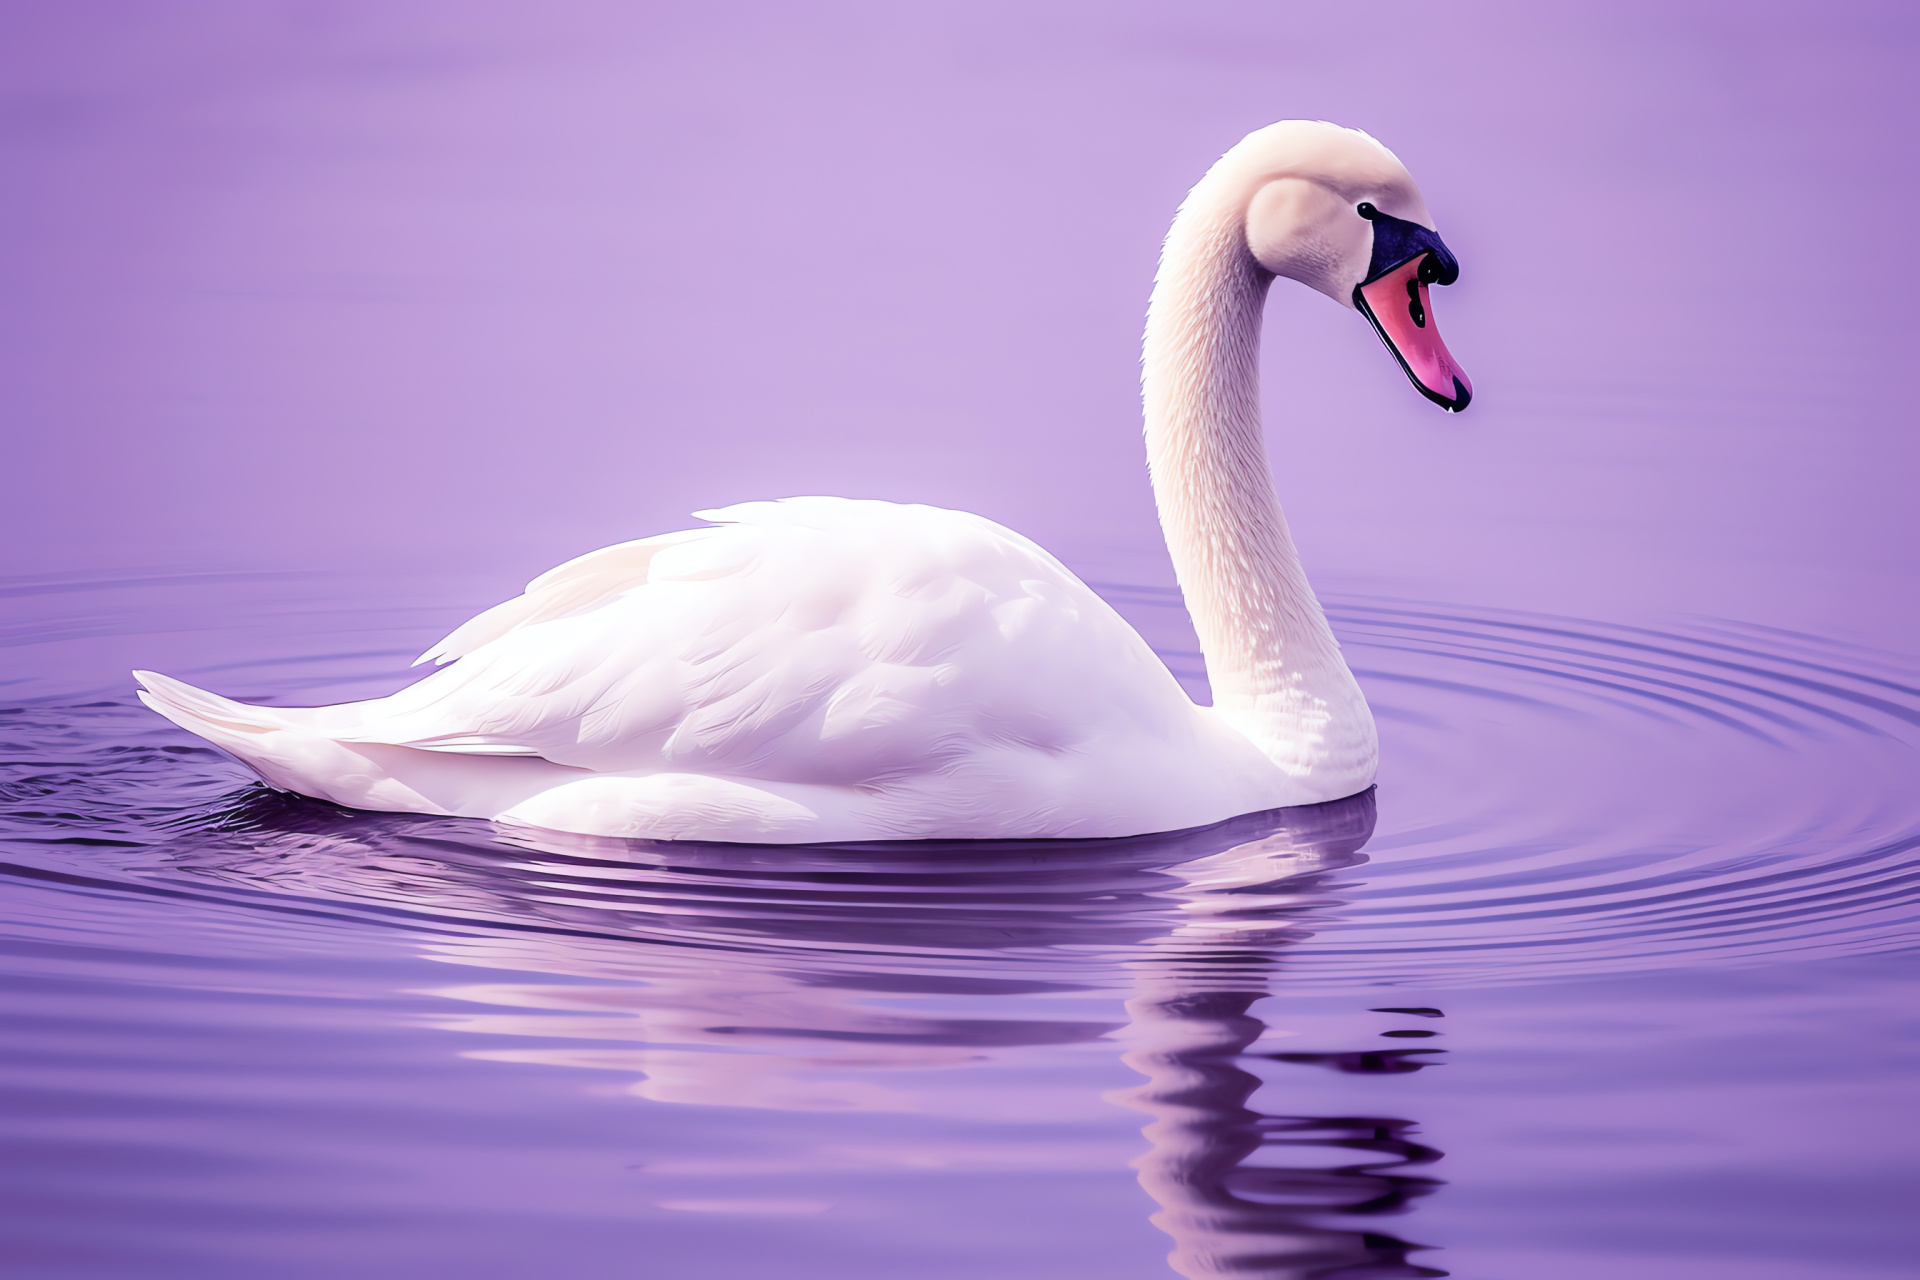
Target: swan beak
<point>1397,305</point>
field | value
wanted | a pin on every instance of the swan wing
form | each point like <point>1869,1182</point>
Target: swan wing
<point>813,640</point>
<point>578,586</point>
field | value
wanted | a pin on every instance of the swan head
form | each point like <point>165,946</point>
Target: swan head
<point>1335,210</point>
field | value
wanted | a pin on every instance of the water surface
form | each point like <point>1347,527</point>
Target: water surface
<point>323,327</point>
<point>1623,929</point>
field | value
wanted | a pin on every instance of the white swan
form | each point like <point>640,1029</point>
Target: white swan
<point>820,669</point>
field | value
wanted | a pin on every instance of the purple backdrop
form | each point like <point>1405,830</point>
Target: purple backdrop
<point>480,286</point>
<point>433,295</point>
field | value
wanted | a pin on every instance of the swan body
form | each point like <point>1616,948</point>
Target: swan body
<point>807,670</point>
<point>822,669</point>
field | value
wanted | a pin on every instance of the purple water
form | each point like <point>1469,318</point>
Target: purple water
<point>324,326</point>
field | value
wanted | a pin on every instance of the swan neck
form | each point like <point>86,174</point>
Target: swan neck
<point>1269,653</point>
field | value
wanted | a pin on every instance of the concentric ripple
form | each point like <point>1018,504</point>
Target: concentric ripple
<point>1570,795</point>
<point>1558,797</point>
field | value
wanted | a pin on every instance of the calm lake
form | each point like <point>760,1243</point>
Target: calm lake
<point>330,325</point>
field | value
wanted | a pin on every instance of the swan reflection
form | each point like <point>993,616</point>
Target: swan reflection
<point>1229,1211</point>
<point>856,978</point>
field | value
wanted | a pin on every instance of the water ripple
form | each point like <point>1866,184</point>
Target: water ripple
<point>1560,796</point>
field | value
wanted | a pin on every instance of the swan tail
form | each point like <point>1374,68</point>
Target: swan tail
<point>291,748</point>
<point>206,714</point>
<point>265,739</point>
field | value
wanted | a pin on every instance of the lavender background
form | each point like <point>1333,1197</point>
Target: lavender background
<point>481,286</point>
<point>324,325</point>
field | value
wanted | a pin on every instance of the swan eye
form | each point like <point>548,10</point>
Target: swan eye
<point>1366,210</point>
